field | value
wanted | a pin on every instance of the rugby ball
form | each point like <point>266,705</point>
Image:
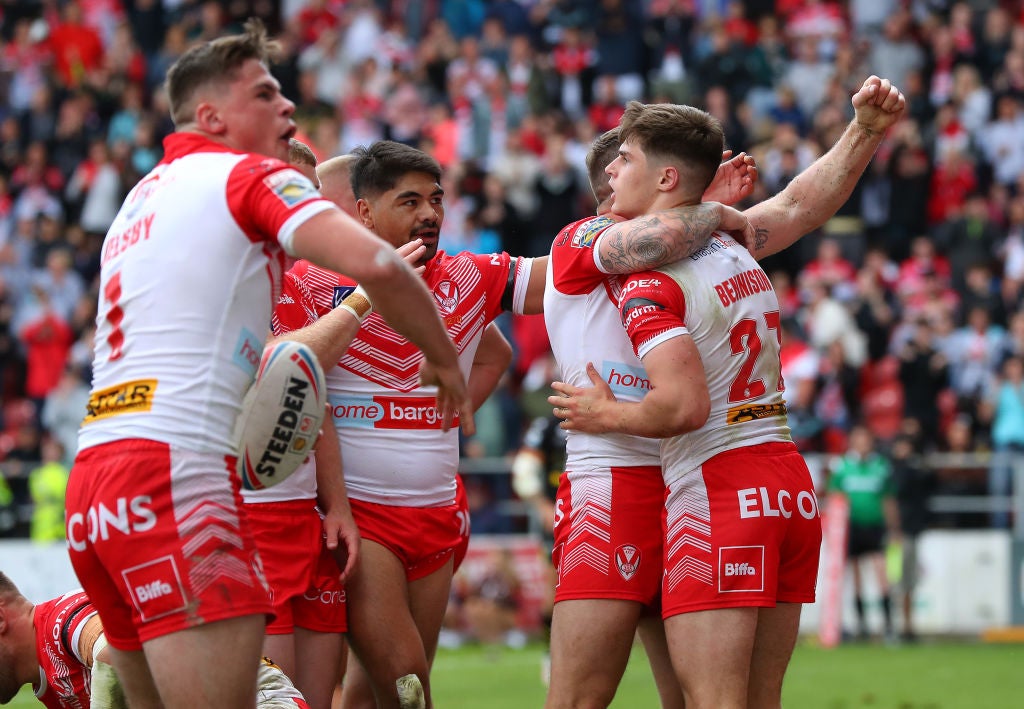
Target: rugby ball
<point>281,415</point>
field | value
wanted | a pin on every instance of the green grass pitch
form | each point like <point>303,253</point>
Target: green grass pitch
<point>930,675</point>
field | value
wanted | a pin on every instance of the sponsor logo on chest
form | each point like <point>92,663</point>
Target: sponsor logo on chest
<point>389,412</point>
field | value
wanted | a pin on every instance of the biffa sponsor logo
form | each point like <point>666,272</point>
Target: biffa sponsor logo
<point>155,588</point>
<point>741,569</point>
<point>152,591</point>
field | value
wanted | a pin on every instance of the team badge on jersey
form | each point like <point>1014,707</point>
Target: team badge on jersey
<point>627,560</point>
<point>291,187</point>
<point>340,293</point>
<point>587,233</point>
<point>446,293</point>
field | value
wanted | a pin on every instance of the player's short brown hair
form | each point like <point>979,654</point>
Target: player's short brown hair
<point>300,154</point>
<point>686,136</point>
<point>215,61</point>
<point>378,168</point>
<point>603,151</point>
<point>7,587</point>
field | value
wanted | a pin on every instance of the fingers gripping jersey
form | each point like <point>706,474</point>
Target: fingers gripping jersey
<point>582,317</point>
<point>189,271</point>
<point>723,300</point>
<point>64,676</point>
<point>389,426</point>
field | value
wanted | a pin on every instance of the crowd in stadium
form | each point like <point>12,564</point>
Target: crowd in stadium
<point>908,304</point>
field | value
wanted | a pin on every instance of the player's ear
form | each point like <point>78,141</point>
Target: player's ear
<point>209,119</point>
<point>364,212</point>
<point>4,610</point>
<point>669,178</point>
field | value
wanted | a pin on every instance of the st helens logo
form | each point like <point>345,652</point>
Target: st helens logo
<point>446,293</point>
<point>627,560</point>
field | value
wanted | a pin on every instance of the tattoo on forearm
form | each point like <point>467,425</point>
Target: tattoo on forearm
<point>760,238</point>
<point>658,239</point>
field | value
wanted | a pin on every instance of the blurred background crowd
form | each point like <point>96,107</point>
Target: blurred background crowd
<point>904,313</point>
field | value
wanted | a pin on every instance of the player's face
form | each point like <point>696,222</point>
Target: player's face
<point>254,115</point>
<point>413,209</point>
<point>632,180</point>
<point>9,684</point>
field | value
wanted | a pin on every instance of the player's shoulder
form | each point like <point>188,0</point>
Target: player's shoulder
<point>582,233</point>
<point>453,260</point>
<point>313,275</point>
<point>277,178</point>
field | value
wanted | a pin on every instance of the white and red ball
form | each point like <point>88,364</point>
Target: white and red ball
<point>281,415</point>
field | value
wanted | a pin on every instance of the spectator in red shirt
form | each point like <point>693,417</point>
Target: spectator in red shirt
<point>48,339</point>
<point>77,48</point>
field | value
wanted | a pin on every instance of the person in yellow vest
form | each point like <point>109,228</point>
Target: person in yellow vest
<point>46,486</point>
<point>8,517</point>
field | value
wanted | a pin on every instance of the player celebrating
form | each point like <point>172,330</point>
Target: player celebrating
<point>188,269</point>
<point>613,581</point>
<point>742,529</point>
<point>399,464</point>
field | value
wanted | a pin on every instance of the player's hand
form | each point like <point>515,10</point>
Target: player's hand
<point>452,395</point>
<point>733,180</point>
<point>878,104</point>
<point>581,408</point>
<point>735,223</point>
<point>411,252</point>
<point>342,538</point>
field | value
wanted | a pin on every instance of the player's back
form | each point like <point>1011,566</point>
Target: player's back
<point>582,318</point>
<point>188,270</point>
<point>732,313</point>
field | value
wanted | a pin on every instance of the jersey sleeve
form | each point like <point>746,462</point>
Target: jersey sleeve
<point>270,200</point>
<point>297,307</point>
<point>69,615</point>
<point>653,310</point>
<point>574,266</point>
<point>506,280</point>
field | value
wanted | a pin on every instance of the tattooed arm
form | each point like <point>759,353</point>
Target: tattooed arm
<point>664,237</point>
<point>813,197</point>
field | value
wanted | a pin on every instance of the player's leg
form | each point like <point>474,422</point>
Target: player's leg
<point>281,651</point>
<point>858,597</point>
<point>288,537</point>
<point>878,568</point>
<point>711,653</point>
<point>777,630</point>
<point>135,680</point>
<point>382,629</point>
<point>320,617</point>
<point>778,627</point>
<point>355,681</point>
<point>318,659</point>
<point>590,644</point>
<point>652,635</point>
<point>209,665</point>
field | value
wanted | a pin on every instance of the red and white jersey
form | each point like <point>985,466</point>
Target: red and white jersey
<point>189,269</point>
<point>723,300</point>
<point>582,316</point>
<point>392,446</point>
<point>64,678</point>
